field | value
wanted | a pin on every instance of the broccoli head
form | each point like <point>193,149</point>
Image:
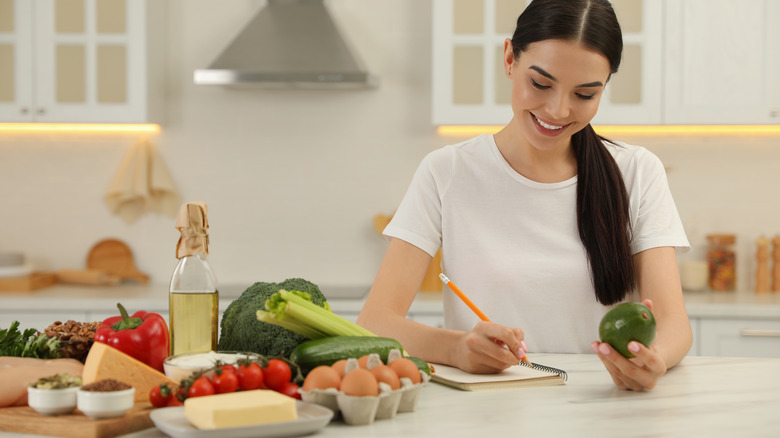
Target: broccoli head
<point>241,331</point>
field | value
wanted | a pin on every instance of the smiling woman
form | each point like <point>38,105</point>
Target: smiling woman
<point>545,223</point>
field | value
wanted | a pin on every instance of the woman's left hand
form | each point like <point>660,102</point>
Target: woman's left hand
<point>638,373</point>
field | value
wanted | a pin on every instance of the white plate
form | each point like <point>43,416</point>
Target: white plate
<point>311,418</point>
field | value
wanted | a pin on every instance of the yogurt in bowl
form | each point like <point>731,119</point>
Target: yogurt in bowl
<point>181,366</point>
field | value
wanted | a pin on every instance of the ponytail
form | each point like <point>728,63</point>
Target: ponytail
<point>603,217</point>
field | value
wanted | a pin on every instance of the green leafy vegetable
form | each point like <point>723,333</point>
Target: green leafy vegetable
<point>241,331</point>
<point>27,344</point>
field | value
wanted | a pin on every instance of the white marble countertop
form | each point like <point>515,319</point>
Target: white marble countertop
<point>347,299</point>
<point>703,396</point>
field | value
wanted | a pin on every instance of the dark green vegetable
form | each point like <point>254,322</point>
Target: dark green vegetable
<point>241,331</point>
<point>28,344</point>
<point>421,364</point>
<point>327,351</point>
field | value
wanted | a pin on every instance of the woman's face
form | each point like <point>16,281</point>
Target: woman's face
<point>556,89</point>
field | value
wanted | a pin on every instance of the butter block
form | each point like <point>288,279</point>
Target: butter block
<point>243,408</point>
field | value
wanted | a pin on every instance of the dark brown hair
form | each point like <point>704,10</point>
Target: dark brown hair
<point>602,202</point>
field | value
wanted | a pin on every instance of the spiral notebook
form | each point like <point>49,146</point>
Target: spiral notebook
<point>513,377</point>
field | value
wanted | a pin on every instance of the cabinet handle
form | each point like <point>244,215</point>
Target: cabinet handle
<point>41,111</point>
<point>25,110</point>
<point>757,333</point>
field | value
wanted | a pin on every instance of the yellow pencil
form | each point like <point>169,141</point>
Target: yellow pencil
<point>473,307</point>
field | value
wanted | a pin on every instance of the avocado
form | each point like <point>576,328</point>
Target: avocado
<point>627,322</point>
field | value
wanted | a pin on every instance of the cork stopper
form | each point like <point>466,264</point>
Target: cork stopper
<point>193,224</point>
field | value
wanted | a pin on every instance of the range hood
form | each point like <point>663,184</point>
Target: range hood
<point>289,44</point>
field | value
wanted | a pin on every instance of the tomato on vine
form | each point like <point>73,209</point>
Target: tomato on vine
<point>201,387</point>
<point>276,374</point>
<point>250,376</point>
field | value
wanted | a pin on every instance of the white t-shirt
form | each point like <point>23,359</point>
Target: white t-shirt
<point>511,244</point>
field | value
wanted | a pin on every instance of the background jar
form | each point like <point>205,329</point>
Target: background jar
<point>722,261</point>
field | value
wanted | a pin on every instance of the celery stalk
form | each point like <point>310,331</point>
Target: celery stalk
<point>291,324</point>
<point>323,319</point>
<point>292,310</point>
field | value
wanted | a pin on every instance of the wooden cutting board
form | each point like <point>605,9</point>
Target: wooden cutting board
<point>116,259</point>
<point>24,419</point>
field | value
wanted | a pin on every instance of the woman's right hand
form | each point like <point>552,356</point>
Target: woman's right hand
<point>489,348</point>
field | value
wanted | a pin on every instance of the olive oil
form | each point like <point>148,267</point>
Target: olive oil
<point>193,301</point>
<point>188,312</point>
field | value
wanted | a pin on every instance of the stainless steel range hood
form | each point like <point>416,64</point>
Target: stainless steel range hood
<point>289,44</point>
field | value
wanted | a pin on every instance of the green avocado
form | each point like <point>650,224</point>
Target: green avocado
<point>627,322</point>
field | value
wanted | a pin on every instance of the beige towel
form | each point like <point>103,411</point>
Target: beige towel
<point>142,184</point>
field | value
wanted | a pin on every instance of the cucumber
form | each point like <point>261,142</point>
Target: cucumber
<point>421,364</point>
<point>327,351</point>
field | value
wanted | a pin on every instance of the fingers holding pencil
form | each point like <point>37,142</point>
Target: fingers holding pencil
<point>518,348</point>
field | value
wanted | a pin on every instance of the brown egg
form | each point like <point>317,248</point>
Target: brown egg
<point>322,377</point>
<point>363,362</point>
<point>360,383</point>
<point>340,366</point>
<point>406,368</point>
<point>384,373</point>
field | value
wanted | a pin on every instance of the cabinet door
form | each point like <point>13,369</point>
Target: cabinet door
<point>722,62</point>
<point>90,61</point>
<point>633,94</point>
<point>15,61</point>
<point>469,85</point>
<point>754,338</point>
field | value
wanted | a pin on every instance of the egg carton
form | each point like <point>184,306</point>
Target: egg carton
<point>364,410</point>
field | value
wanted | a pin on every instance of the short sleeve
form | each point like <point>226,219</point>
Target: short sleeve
<point>656,222</point>
<point>418,219</point>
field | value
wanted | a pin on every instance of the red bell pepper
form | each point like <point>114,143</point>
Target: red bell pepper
<point>143,336</point>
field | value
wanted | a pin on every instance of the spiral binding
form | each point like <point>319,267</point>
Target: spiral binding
<point>548,369</point>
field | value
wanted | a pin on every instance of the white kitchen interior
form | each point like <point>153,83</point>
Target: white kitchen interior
<point>293,178</point>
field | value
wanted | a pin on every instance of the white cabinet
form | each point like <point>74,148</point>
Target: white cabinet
<point>684,62</point>
<point>722,62</point>
<point>739,337</point>
<point>80,61</point>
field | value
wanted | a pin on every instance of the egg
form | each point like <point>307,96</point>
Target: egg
<point>406,368</point>
<point>322,377</point>
<point>384,373</point>
<point>360,383</point>
<point>340,366</point>
<point>363,361</point>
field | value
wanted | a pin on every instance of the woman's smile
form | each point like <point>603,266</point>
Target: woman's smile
<point>548,128</point>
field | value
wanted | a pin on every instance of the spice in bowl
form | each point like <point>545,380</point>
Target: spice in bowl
<point>106,398</point>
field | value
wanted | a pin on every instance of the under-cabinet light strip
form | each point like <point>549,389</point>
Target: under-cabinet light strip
<point>81,127</point>
<point>608,130</point>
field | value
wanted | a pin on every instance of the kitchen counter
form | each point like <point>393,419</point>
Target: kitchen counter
<point>723,323</point>
<point>703,396</point>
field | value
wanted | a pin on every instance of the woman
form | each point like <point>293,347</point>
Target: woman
<point>543,225</point>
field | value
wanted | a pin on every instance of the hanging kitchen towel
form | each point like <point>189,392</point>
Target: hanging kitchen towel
<point>142,184</point>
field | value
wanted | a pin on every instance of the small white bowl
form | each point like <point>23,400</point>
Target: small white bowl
<point>52,401</point>
<point>105,404</point>
<point>184,365</point>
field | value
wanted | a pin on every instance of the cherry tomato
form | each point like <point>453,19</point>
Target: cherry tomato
<point>250,376</point>
<point>200,387</point>
<point>290,389</point>
<point>159,396</point>
<point>174,401</point>
<point>226,381</point>
<point>276,374</point>
<point>227,367</point>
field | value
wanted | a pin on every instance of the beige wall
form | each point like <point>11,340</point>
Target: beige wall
<point>293,179</point>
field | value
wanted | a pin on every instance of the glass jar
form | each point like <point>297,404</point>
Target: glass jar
<point>722,260</point>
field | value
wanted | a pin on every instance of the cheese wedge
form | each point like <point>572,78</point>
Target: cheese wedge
<point>243,408</point>
<point>106,362</point>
